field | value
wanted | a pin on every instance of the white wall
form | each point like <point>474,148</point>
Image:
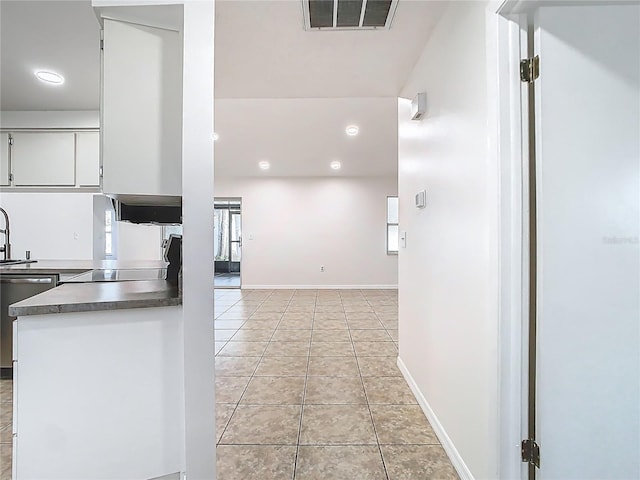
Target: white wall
<point>447,293</point>
<point>50,119</point>
<point>60,225</point>
<point>51,225</point>
<point>299,224</point>
<point>139,242</point>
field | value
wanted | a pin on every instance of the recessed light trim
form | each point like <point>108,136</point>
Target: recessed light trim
<point>352,130</point>
<point>46,76</point>
<point>335,165</point>
<point>264,165</point>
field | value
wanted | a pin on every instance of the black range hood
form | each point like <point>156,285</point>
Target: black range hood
<point>148,209</point>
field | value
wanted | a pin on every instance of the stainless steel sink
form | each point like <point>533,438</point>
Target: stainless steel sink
<point>15,262</point>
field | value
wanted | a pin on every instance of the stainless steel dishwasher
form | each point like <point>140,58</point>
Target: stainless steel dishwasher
<point>14,288</point>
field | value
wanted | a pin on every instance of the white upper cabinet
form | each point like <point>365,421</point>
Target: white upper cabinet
<point>141,110</point>
<point>87,159</point>
<point>4,159</point>
<point>43,159</point>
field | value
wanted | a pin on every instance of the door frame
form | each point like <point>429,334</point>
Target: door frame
<point>239,200</point>
<point>506,45</point>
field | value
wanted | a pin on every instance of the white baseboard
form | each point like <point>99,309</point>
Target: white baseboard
<point>320,287</point>
<point>447,443</point>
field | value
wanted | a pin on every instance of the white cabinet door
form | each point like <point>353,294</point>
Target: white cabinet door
<point>88,159</point>
<point>142,110</point>
<point>43,159</point>
<point>4,159</point>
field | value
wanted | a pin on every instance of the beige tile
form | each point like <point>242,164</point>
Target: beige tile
<point>229,389</point>
<point>329,308</point>
<point>218,346</point>
<point>331,336</point>
<point>402,424</point>
<point>236,366</point>
<point>255,462</point>
<point>283,335</point>
<point>5,461</point>
<point>365,324</point>
<point>274,391</point>
<point>299,316</point>
<point>265,316</point>
<point>287,349</point>
<point>371,316</point>
<point>222,335</point>
<point>393,333</point>
<point>260,325</point>
<point>263,424</point>
<point>252,335</point>
<point>375,349</point>
<point>388,390</point>
<point>282,366</point>
<point>6,433</point>
<point>337,424</point>
<point>370,336</point>
<point>6,413</point>
<point>228,324</point>
<point>333,367</point>
<point>330,316</point>
<point>6,390</point>
<point>243,349</point>
<point>322,324</point>
<point>295,324</point>
<point>378,366</point>
<point>410,462</point>
<point>332,349</point>
<point>339,462</point>
<point>223,414</point>
<point>366,308</point>
<point>334,390</point>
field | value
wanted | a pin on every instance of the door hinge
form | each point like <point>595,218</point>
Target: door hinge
<point>531,452</point>
<point>530,69</point>
<point>10,140</point>
<point>101,39</point>
<point>11,177</point>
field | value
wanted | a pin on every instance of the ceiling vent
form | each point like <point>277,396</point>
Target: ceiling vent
<point>348,14</point>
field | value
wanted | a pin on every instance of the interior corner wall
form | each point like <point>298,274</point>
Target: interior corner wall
<point>448,328</point>
<point>294,225</point>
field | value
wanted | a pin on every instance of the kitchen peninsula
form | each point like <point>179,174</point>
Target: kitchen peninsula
<point>97,371</point>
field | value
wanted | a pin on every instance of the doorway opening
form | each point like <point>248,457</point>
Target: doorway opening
<point>227,242</point>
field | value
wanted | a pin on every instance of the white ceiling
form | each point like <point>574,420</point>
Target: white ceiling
<point>300,137</point>
<point>306,85</point>
<point>63,36</point>
<point>262,50</point>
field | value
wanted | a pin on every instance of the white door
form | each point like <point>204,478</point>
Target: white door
<point>4,159</point>
<point>88,159</point>
<point>588,198</point>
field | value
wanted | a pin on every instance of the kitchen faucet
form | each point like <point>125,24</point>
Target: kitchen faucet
<point>6,248</point>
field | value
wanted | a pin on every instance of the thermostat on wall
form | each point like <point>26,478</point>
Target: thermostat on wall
<point>421,199</point>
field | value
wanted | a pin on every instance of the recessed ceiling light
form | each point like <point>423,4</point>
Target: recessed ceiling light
<point>336,165</point>
<point>352,130</point>
<point>215,137</point>
<point>49,77</point>
<point>264,165</point>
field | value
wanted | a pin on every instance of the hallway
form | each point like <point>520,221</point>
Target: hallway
<point>307,387</point>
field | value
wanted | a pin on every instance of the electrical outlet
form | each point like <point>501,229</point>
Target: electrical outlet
<point>322,268</point>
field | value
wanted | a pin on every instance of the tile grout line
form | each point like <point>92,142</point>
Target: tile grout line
<point>304,390</point>
<point>373,423</point>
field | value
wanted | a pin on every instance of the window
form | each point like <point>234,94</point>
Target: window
<point>392,226</point>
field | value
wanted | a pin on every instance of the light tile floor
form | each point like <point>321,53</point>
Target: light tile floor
<point>307,388</point>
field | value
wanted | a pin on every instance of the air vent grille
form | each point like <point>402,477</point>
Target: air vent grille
<point>348,14</point>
